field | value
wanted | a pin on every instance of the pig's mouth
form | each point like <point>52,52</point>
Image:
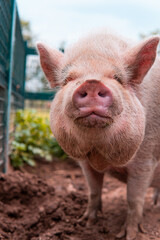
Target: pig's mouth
<point>93,120</point>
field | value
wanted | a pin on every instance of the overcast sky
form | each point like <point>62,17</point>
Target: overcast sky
<point>54,21</point>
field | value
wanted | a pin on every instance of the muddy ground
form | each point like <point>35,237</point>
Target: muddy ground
<point>44,203</point>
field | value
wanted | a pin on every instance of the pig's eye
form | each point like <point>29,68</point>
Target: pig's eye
<point>68,79</point>
<point>72,76</point>
<point>117,78</point>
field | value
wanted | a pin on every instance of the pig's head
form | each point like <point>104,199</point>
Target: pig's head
<point>97,114</point>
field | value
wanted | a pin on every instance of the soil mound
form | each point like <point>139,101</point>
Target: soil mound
<point>44,203</point>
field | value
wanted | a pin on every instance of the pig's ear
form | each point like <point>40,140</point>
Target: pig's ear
<point>51,61</point>
<point>139,59</point>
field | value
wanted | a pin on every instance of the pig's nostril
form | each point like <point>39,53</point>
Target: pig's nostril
<point>84,94</point>
<point>102,94</point>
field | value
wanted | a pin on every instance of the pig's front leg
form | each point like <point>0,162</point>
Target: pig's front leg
<point>139,178</point>
<point>95,182</point>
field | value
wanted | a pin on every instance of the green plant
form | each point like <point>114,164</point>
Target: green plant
<point>32,139</point>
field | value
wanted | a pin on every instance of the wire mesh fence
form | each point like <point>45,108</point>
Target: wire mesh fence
<point>6,10</point>
<point>12,73</point>
<point>13,56</point>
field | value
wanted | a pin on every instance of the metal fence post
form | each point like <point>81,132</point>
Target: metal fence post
<point>24,72</point>
<point>11,58</point>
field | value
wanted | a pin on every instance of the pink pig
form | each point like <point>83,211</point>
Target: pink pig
<point>106,115</point>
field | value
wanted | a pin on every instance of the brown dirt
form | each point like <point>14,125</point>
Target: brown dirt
<point>44,203</point>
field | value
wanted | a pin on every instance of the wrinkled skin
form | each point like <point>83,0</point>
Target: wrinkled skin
<point>106,115</point>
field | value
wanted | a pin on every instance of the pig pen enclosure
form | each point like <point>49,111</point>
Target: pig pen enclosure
<point>45,202</point>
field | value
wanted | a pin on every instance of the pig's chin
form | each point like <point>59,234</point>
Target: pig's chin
<point>94,121</point>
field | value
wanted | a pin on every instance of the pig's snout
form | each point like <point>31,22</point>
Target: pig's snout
<point>92,96</point>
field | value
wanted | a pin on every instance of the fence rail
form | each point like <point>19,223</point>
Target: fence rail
<point>45,96</point>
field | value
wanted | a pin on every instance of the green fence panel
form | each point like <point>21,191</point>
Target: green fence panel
<point>19,64</point>
<point>13,52</point>
<point>18,72</point>
<point>12,73</point>
<point>6,7</point>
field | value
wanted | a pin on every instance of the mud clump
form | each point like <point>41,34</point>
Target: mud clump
<point>21,198</point>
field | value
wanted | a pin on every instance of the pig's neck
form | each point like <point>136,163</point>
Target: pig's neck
<point>105,151</point>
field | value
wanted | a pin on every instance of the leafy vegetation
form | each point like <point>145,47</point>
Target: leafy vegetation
<point>32,139</point>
